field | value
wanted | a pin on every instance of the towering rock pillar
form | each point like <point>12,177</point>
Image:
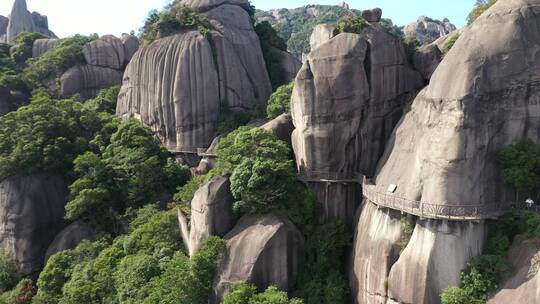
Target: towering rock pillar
<point>21,20</point>
<point>348,96</point>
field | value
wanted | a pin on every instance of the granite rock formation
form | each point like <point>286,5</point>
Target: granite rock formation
<point>321,34</point>
<point>211,214</point>
<point>372,15</point>
<point>427,30</point>
<point>426,59</point>
<point>70,237</point>
<point>88,80</point>
<point>442,156</point>
<point>282,126</point>
<point>31,213</point>
<point>21,20</point>
<point>524,284</point>
<point>4,21</point>
<point>348,96</point>
<point>107,51</point>
<point>230,72</point>
<point>290,64</point>
<point>41,46</point>
<point>263,250</point>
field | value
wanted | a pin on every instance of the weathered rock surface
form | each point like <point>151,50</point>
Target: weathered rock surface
<point>321,34</point>
<point>31,214</point>
<point>290,64</point>
<point>426,60</point>
<point>524,284</point>
<point>205,5</point>
<point>88,80</point>
<point>427,30</point>
<point>372,15</point>
<point>348,96</point>
<point>211,214</point>
<point>70,237</point>
<point>41,46</point>
<point>131,45</point>
<point>21,20</point>
<point>263,250</point>
<point>4,21</point>
<point>209,161</point>
<point>282,126</point>
<point>183,111</point>
<point>434,257</point>
<point>376,247</point>
<point>234,23</point>
<point>483,96</point>
<point>107,51</point>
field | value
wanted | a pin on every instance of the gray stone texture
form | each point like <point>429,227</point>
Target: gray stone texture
<point>31,214</point>
<point>88,80</point>
<point>21,20</point>
<point>70,237</point>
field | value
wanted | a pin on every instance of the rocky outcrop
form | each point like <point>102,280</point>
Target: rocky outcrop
<point>107,51</point>
<point>282,126</point>
<point>131,45</point>
<point>41,46</point>
<point>184,112</point>
<point>70,237</point>
<point>524,284</point>
<point>205,5</point>
<point>21,20</point>
<point>372,15</point>
<point>434,257</point>
<point>208,161</point>
<point>290,64</point>
<point>348,96</point>
<point>442,157</point>
<point>4,21</point>
<point>88,80</point>
<point>6,105</point>
<point>31,214</point>
<point>321,34</point>
<point>263,250</point>
<point>427,30</point>
<point>371,264</point>
<point>482,97</point>
<point>211,214</point>
<point>426,59</point>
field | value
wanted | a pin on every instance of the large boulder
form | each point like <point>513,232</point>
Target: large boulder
<point>131,45</point>
<point>229,72</point>
<point>282,126</point>
<point>426,59</point>
<point>182,111</point>
<point>41,46</point>
<point>523,286</point>
<point>211,214</point>
<point>290,64</point>
<point>427,30</point>
<point>263,250</point>
<point>347,98</point>
<point>205,5</point>
<point>6,104</point>
<point>88,80</point>
<point>21,20</point>
<point>107,51</point>
<point>433,259</point>
<point>482,97</point>
<point>31,215</point>
<point>70,237</point>
<point>321,34</point>
<point>376,247</point>
<point>208,161</point>
<point>372,15</point>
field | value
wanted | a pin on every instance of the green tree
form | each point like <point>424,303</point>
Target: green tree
<point>244,293</point>
<point>21,294</point>
<point>23,44</point>
<point>450,43</point>
<point>9,274</point>
<point>521,166</point>
<point>479,8</point>
<point>280,101</point>
<point>351,24</point>
<point>133,275</point>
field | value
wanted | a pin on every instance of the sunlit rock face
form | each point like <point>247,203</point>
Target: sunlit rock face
<point>442,156</point>
<point>426,30</point>
<point>348,96</point>
<point>21,20</point>
<point>177,85</point>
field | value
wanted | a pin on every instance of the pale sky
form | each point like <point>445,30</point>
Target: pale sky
<point>68,17</point>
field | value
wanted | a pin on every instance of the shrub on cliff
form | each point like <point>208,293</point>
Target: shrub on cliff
<point>280,101</point>
<point>244,293</point>
<point>521,167</point>
<point>23,44</point>
<point>479,8</point>
<point>350,24</point>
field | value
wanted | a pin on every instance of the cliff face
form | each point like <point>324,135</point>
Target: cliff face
<point>348,96</point>
<point>184,110</point>
<point>427,30</point>
<point>21,20</point>
<point>441,160</point>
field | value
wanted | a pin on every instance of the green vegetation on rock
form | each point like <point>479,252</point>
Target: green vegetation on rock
<point>350,24</point>
<point>271,45</point>
<point>479,8</point>
<point>521,167</point>
<point>280,101</point>
<point>450,43</point>
<point>244,293</point>
<point>23,44</point>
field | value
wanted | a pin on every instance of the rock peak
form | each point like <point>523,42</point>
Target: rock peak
<point>21,20</point>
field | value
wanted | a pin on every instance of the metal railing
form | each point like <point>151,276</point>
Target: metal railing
<point>310,176</point>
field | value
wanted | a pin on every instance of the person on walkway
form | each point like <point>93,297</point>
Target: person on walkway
<point>529,203</point>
